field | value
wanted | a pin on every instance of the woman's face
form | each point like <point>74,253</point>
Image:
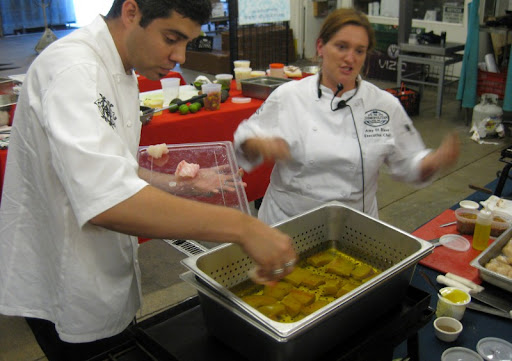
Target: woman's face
<point>343,56</point>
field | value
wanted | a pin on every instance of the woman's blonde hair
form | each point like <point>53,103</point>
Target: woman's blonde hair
<point>346,16</point>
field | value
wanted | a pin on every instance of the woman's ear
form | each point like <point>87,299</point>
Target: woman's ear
<point>319,47</point>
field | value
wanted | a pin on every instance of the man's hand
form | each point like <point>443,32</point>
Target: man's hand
<point>210,181</point>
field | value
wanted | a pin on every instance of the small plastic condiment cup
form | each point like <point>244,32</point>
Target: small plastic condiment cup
<point>213,96</point>
<point>447,308</point>
<point>447,329</point>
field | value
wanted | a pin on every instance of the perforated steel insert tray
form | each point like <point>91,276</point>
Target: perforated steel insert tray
<point>372,241</point>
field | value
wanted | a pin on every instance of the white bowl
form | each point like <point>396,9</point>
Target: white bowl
<point>447,329</point>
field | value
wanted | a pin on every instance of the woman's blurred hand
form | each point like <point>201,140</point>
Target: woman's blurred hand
<point>271,149</point>
<point>443,157</point>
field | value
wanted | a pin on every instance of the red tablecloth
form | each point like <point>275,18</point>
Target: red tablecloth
<point>209,126</point>
<point>203,126</point>
<point>146,85</point>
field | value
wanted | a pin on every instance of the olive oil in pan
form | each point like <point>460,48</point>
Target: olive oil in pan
<point>322,273</point>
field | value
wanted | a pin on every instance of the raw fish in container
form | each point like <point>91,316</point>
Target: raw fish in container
<point>205,172</point>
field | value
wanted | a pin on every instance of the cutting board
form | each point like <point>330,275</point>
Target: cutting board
<point>444,259</point>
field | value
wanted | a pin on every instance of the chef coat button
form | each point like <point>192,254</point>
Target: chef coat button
<point>315,129</point>
<point>308,186</point>
<point>129,124</point>
<point>311,161</point>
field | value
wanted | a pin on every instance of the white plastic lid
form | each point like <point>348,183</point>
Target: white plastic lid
<point>469,204</point>
<point>495,349</point>
<point>485,214</point>
<point>460,353</point>
<point>455,242</point>
<point>240,100</point>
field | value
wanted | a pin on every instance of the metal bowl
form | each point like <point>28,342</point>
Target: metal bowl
<point>146,118</point>
<point>313,69</point>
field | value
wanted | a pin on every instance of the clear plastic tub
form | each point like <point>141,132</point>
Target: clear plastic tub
<point>466,220</point>
<point>216,162</point>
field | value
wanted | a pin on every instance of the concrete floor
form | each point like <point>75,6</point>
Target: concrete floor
<point>400,205</point>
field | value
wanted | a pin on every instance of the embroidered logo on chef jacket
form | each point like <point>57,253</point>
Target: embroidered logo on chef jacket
<point>376,120</point>
<point>105,108</point>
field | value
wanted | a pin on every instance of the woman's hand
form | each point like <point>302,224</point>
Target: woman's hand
<point>271,149</point>
<point>443,157</point>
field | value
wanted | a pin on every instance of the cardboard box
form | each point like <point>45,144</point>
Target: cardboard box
<point>320,8</point>
<point>214,62</point>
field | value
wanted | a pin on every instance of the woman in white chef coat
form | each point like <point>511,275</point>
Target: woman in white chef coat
<point>330,133</point>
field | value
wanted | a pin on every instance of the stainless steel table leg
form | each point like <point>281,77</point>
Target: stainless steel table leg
<point>440,89</point>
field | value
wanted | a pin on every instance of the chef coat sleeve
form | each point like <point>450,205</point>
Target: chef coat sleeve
<point>409,150</point>
<point>262,124</point>
<point>91,160</point>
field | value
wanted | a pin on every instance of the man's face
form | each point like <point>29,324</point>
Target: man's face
<point>156,49</point>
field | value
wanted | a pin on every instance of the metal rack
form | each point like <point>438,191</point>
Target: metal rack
<point>429,56</point>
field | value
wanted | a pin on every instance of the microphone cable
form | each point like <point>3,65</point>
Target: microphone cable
<point>343,104</point>
<point>360,149</point>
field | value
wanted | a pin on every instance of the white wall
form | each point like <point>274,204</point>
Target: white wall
<point>87,10</point>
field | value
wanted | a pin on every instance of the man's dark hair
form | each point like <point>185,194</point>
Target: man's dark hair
<point>196,10</point>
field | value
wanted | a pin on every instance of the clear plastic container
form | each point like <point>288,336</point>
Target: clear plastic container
<point>224,80</point>
<point>215,158</point>
<point>277,70</point>
<point>213,96</point>
<point>466,220</point>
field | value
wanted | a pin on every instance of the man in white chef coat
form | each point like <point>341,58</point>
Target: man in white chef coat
<point>73,202</point>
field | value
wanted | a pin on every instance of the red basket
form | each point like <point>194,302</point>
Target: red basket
<point>492,83</point>
<point>409,98</point>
